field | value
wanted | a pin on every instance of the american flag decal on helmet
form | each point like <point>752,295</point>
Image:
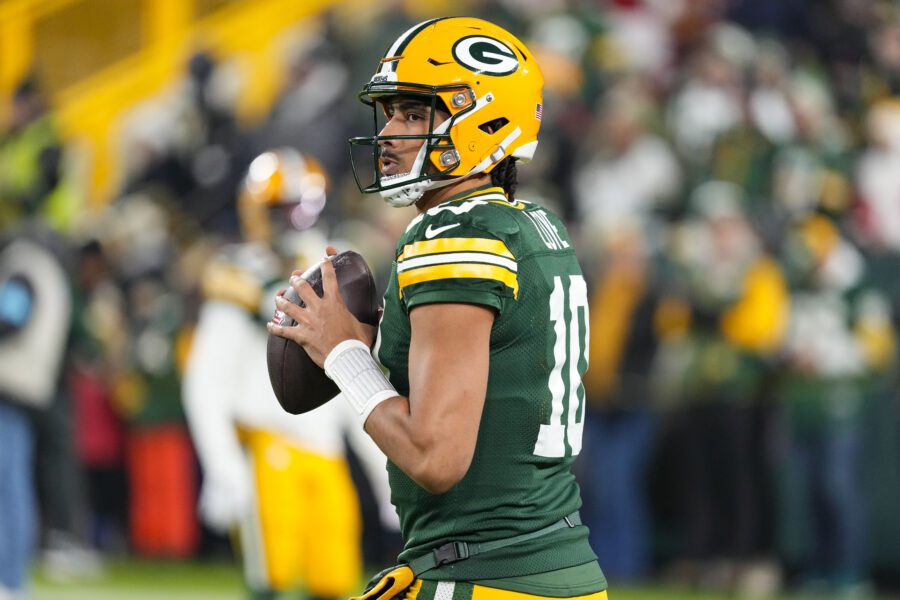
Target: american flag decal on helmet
<point>538,111</point>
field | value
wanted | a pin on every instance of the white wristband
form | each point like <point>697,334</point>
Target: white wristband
<point>351,366</point>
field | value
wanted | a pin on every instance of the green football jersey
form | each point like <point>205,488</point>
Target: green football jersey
<point>517,258</point>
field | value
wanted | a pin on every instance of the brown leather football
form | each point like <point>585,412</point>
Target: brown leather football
<point>300,384</point>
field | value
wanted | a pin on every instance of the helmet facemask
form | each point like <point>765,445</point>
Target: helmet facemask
<point>404,189</point>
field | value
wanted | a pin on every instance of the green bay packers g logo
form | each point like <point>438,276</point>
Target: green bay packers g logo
<point>486,55</point>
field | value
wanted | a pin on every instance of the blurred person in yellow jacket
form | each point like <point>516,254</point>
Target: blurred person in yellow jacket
<point>621,416</point>
<point>281,479</point>
<point>736,305</point>
<point>32,175</point>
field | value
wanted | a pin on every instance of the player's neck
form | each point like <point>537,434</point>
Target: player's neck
<point>432,198</point>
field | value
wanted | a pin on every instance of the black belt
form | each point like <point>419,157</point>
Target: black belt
<point>452,552</point>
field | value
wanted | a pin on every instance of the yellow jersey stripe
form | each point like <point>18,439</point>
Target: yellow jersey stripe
<point>459,271</point>
<point>480,592</point>
<point>455,245</point>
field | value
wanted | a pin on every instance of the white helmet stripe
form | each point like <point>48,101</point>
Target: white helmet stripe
<point>387,67</point>
<point>401,42</point>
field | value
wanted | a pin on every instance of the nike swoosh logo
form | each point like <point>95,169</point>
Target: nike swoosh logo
<point>430,231</point>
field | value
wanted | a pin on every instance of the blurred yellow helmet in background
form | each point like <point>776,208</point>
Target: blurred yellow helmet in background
<point>284,190</point>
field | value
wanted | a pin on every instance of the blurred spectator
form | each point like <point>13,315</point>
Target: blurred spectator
<point>35,309</point>
<point>630,174</point>
<point>66,552</point>
<point>839,341</point>
<point>876,215</point>
<point>186,146</point>
<point>738,311</point>
<point>564,43</point>
<point>860,65</point>
<point>310,114</point>
<point>281,478</point>
<point>641,35</point>
<point>708,103</point>
<point>32,178</point>
<point>161,470</point>
<point>878,173</point>
<point>811,170</point>
<point>768,103</point>
<point>99,341</point>
<point>139,450</point>
<point>741,152</point>
<point>36,188</point>
<point>621,417</point>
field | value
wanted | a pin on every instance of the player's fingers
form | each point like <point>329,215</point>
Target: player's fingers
<point>295,333</point>
<point>330,251</point>
<point>304,290</point>
<point>329,280</point>
<point>290,309</point>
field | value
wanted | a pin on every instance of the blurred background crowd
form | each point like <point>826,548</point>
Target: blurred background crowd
<point>730,171</point>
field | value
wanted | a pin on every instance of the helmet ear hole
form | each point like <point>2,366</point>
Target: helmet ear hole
<point>493,126</point>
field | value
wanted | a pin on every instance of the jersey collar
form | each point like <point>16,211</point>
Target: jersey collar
<point>472,193</point>
<point>493,192</point>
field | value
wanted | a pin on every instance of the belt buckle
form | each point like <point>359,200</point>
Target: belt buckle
<point>451,552</point>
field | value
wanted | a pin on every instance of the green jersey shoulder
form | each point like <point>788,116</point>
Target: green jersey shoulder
<point>469,249</point>
<point>517,258</point>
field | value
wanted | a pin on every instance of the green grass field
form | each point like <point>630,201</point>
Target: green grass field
<point>147,580</point>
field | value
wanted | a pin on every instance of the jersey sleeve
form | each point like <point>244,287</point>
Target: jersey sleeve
<point>460,259</point>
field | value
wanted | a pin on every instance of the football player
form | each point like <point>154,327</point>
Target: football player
<point>281,480</point>
<point>477,400</point>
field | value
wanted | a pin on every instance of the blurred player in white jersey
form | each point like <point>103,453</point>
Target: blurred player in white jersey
<point>282,480</point>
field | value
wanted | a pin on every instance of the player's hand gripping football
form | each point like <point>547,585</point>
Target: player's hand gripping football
<point>324,322</point>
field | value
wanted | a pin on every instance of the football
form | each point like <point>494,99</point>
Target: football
<point>300,384</point>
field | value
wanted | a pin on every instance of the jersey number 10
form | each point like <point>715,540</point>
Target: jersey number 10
<point>569,350</point>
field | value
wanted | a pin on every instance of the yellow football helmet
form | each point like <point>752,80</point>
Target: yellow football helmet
<point>484,76</point>
<point>283,191</point>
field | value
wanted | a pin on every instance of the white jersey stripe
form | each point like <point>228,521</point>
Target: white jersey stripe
<point>456,257</point>
<point>444,590</point>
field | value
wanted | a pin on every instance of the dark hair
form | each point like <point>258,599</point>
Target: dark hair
<point>505,175</point>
